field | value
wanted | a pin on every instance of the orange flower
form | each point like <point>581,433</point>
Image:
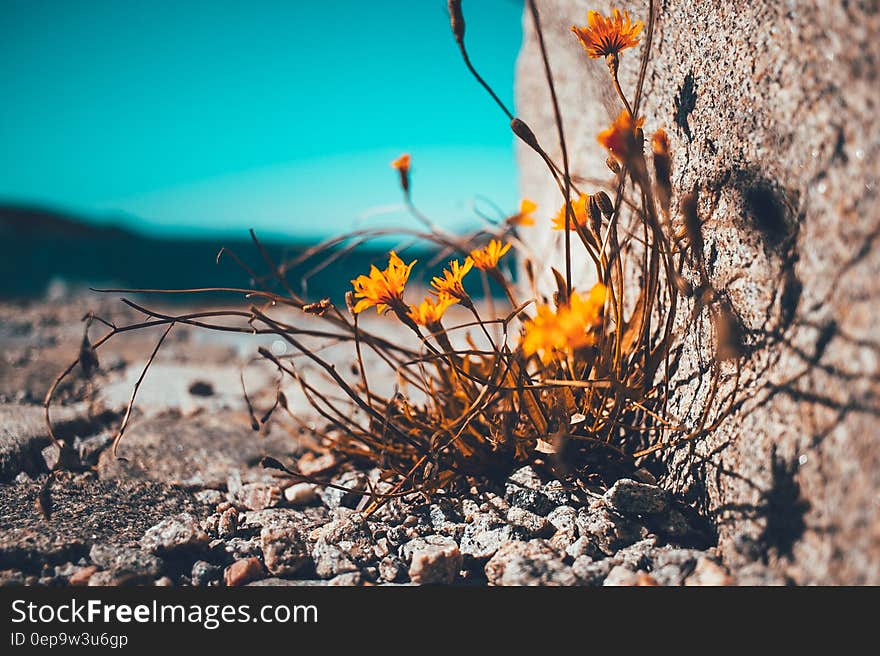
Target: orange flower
<point>524,216</point>
<point>622,138</point>
<point>429,312</point>
<point>401,163</point>
<point>384,289</point>
<point>451,283</point>
<point>487,258</point>
<point>603,36</point>
<point>567,329</point>
<point>660,143</point>
<point>581,209</point>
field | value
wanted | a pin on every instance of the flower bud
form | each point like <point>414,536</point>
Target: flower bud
<point>604,202</point>
<point>525,133</point>
<point>612,165</point>
<point>595,215</point>
<point>456,20</point>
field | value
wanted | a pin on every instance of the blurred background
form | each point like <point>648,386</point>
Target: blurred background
<point>139,137</point>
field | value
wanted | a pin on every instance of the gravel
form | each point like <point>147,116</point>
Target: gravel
<point>126,564</point>
<point>589,572</point>
<point>284,550</point>
<point>631,497</point>
<point>300,494</point>
<point>210,497</point>
<point>205,573</point>
<point>532,525</point>
<point>392,569</point>
<point>637,556</point>
<point>242,572</point>
<point>348,579</point>
<point>333,497</point>
<point>563,518</point>
<point>528,564</point>
<point>436,560</point>
<point>175,534</point>
<point>525,490</point>
<point>484,536</point>
<point>584,546</point>
<point>331,560</point>
<point>535,534</point>
<point>621,575</point>
<point>609,530</point>
<point>255,496</point>
<point>707,572</point>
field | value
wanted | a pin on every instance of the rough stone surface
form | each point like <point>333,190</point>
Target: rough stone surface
<point>563,518</point>
<point>205,573</point>
<point>353,482</point>
<point>198,450</point>
<point>242,572</point>
<point>771,111</point>
<point>435,560</point>
<point>638,556</point>
<point>589,572</point>
<point>82,575</point>
<point>346,580</point>
<point>84,511</point>
<point>525,490</point>
<point>632,497</point>
<point>23,436</point>
<point>175,534</point>
<point>484,536</point>
<point>300,494</point>
<point>331,560</point>
<point>621,575</point>
<point>583,546</point>
<point>284,550</point>
<point>237,548</point>
<point>126,564</point>
<point>392,569</point>
<point>708,573</point>
<point>528,563</point>
<point>305,521</point>
<point>534,525</point>
<point>607,529</point>
<point>255,496</point>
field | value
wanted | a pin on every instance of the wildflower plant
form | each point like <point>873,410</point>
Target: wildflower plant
<point>576,379</point>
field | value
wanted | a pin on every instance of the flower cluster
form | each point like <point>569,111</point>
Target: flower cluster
<point>384,289</point>
<point>565,379</point>
<point>560,332</point>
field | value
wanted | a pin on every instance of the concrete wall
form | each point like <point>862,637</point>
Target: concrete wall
<point>771,108</point>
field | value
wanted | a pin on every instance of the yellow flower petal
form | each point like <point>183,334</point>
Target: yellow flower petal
<point>382,288</point>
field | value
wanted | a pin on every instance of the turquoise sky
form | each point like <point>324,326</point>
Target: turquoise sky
<point>191,116</point>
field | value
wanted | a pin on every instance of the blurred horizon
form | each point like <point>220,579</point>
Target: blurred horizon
<point>204,119</point>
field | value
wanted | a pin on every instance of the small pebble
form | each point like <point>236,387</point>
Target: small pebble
<point>300,494</point>
<point>243,571</point>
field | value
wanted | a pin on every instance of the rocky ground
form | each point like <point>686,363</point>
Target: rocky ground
<point>190,505</point>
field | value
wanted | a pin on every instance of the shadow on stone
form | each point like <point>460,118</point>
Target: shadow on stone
<point>685,102</point>
<point>783,507</point>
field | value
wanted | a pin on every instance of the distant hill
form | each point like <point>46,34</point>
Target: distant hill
<point>20,221</point>
<point>39,246</point>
